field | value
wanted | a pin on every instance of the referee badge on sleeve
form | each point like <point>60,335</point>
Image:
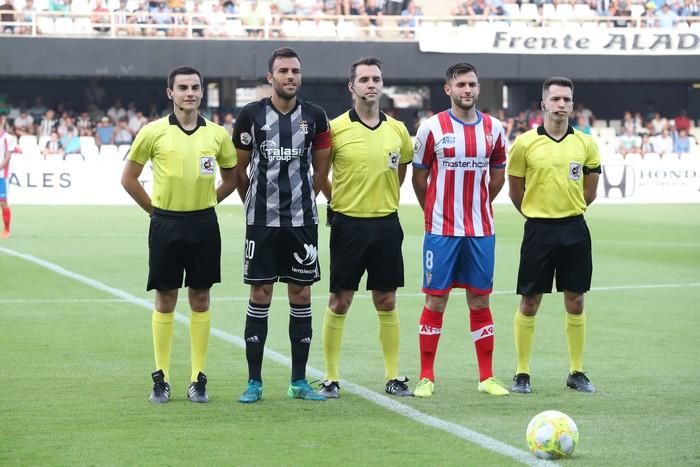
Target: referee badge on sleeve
<point>575,170</point>
<point>206,165</point>
<point>394,158</point>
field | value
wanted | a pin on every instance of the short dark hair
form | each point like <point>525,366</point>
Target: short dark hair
<point>369,61</point>
<point>183,70</point>
<point>557,81</point>
<point>282,52</point>
<point>457,69</point>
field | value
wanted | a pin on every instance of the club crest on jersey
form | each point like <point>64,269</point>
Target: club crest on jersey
<point>246,138</point>
<point>417,144</point>
<point>428,278</point>
<point>206,165</point>
<point>575,170</point>
<point>394,158</point>
<point>304,127</point>
<point>489,143</point>
<point>447,141</point>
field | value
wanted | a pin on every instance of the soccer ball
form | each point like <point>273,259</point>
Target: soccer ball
<point>552,435</point>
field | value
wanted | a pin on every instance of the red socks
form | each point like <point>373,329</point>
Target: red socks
<point>429,329</point>
<point>481,324</point>
<point>6,216</point>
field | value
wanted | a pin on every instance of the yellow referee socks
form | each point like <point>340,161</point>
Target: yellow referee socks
<point>575,328</point>
<point>200,325</point>
<point>162,325</point>
<point>524,333</point>
<point>389,336</point>
<point>332,336</point>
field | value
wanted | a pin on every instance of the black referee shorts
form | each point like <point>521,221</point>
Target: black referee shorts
<point>184,243</point>
<point>558,248</point>
<point>366,244</point>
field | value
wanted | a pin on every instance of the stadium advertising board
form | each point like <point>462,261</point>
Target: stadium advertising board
<point>58,182</point>
<point>561,41</point>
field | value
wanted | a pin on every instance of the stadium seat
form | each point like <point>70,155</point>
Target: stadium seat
<point>634,157</point>
<point>529,11</point>
<point>81,7</point>
<point>346,29</point>
<point>669,157</point>
<point>45,24</point>
<point>607,134</point>
<point>600,123</point>
<point>290,28</point>
<point>82,26</point>
<point>616,125</point>
<point>63,26</point>
<point>109,152</point>
<point>326,28</point>
<point>565,10</point>
<point>235,28</point>
<point>27,142</point>
<point>512,9</point>
<point>582,10</point>
<point>636,10</point>
<point>652,157</point>
<point>123,150</point>
<point>42,141</point>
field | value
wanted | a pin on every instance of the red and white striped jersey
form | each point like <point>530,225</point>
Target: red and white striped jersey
<point>7,146</point>
<point>459,156</point>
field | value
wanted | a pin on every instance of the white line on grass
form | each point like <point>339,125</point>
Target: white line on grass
<point>323,297</point>
<point>460,431</point>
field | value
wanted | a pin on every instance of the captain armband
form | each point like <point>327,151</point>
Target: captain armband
<point>589,170</point>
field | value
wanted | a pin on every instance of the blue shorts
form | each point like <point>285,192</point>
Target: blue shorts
<point>3,189</point>
<point>464,262</point>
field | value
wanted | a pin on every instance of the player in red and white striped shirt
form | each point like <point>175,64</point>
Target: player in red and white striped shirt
<point>7,147</point>
<point>458,169</point>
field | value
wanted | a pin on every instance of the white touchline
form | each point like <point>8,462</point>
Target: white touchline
<point>460,431</point>
<point>324,297</point>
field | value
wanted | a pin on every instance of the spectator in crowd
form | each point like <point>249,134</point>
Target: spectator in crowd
<point>84,124</point>
<point>63,123</point>
<point>372,18</point>
<point>122,134</point>
<point>53,147</point>
<point>27,16</point>
<point>100,17</point>
<point>621,12</point>
<point>48,123</point>
<point>658,123</point>
<point>666,17</point>
<point>580,110</point>
<point>682,122</point>
<point>519,124</point>
<point>648,18</point>
<point>144,22</point>
<point>136,122</point>
<point>24,124</point>
<point>122,15</point>
<point>38,109</point>
<point>253,21</point>
<point>228,123</point>
<point>117,111</point>
<point>104,132</point>
<point>663,142</point>
<point>683,143</point>
<point>162,18</point>
<point>646,145</point>
<point>690,8</point>
<point>199,20</point>
<point>629,142</point>
<point>409,21</point>
<point>216,22</point>
<point>582,125</point>
<point>393,7</point>
<point>71,143</point>
<point>8,16</point>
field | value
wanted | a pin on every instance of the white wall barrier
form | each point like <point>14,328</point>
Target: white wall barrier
<point>98,183</point>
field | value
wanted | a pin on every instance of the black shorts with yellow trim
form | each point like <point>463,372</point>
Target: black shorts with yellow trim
<point>183,244</point>
<point>366,244</point>
<point>555,249</point>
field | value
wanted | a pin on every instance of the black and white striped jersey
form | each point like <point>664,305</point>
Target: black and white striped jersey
<point>281,192</point>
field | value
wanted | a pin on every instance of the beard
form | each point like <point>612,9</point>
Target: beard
<point>283,93</point>
<point>466,107</point>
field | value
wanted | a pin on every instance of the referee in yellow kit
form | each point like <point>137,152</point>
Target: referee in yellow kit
<point>369,155</point>
<point>553,176</point>
<point>184,149</point>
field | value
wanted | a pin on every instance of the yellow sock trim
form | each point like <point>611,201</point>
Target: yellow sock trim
<point>524,333</point>
<point>200,326</point>
<point>575,328</point>
<point>389,337</point>
<point>162,326</point>
<point>332,337</point>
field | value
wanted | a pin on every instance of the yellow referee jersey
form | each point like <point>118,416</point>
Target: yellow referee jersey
<point>365,163</point>
<point>553,171</point>
<point>184,162</point>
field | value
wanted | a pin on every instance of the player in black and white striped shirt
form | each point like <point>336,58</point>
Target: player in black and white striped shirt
<point>281,139</point>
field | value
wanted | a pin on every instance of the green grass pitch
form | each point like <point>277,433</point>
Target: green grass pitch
<point>76,359</point>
